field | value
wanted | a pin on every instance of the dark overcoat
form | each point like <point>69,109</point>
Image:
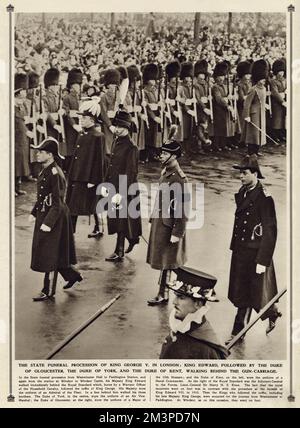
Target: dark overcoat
<point>109,105</point>
<point>21,144</point>
<point>162,254</point>
<point>185,93</point>
<point>244,87</point>
<point>223,123</point>
<point>55,249</point>
<point>202,97</point>
<point>199,343</point>
<point>87,166</point>
<point>253,242</point>
<point>71,107</point>
<point>124,161</point>
<point>278,92</point>
<point>254,107</point>
<point>153,133</point>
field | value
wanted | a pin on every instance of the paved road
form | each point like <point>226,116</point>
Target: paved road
<point>130,329</point>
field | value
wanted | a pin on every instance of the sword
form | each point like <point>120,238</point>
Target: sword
<point>268,136</point>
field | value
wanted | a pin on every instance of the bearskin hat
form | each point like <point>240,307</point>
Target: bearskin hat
<point>112,77</point>
<point>133,73</point>
<point>187,70</point>
<point>221,69</point>
<point>259,70</point>
<point>21,82</point>
<point>123,72</point>
<point>51,77</point>
<point>173,69</point>
<point>201,67</point>
<point>243,68</point>
<point>74,76</point>
<point>150,72</point>
<point>279,65</point>
<point>33,80</point>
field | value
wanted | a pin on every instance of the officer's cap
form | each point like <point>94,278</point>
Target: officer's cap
<point>250,162</point>
<point>49,145</point>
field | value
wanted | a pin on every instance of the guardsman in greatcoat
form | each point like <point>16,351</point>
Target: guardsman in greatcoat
<point>224,128</point>
<point>244,85</point>
<point>109,105</point>
<point>278,100</point>
<point>191,335</point>
<point>53,249</point>
<point>51,102</point>
<point>167,241</point>
<point>152,132</point>
<point>252,282</point>
<point>173,107</point>
<point>71,119</point>
<point>254,114</point>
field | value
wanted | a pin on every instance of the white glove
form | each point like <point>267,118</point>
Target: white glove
<point>31,218</point>
<point>40,129</point>
<point>143,117</point>
<point>29,134</point>
<point>157,120</point>
<point>77,128</point>
<point>174,239</point>
<point>45,228</point>
<point>112,129</point>
<point>176,113</point>
<point>89,185</point>
<point>116,199</point>
<point>284,103</point>
<point>247,119</point>
<point>207,111</point>
<point>191,112</point>
<point>267,106</point>
<point>26,119</point>
<point>104,192</point>
<point>260,269</point>
<point>57,128</point>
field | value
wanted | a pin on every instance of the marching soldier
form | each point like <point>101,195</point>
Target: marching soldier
<point>252,282</point>
<point>191,335</point>
<point>53,249</point>
<point>109,105</point>
<point>71,119</point>
<point>189,109</point>
<point>123,219</point>
<point>135,108</point>
<point>167,241</point>
<point>154,128</point>
<point>173,108</point>
<point>204,104</point>
<point>244,87</point>
<point>278,100</point>
<point>87,167</point>
<point>21,133</point>
<point>254,129</point>
<point>222,110</point>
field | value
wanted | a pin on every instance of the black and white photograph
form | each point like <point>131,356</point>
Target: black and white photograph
<point>150,178</point>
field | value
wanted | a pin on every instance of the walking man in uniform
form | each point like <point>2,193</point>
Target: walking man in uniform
<point>252,282</point>
<point>53,248</point>
<point>167,242</point>
<point>191,335</point>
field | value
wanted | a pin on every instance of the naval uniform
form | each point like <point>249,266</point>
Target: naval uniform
<point>253,242</point>
<point>54,250</point>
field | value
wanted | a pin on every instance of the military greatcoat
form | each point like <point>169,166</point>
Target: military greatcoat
<point>223,123</point>
<point>253,242</point>
<point>162,254</point>
<point>55,249</point>
<point>278,91</point>
<point>71,106</point>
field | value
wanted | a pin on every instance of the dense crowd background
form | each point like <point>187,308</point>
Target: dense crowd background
<point>93,43</point>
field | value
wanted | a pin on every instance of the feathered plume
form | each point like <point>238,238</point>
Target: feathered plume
<point>123,88</point>
<point>92,105</point>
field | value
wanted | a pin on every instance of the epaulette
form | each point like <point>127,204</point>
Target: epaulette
<point>54,171</point>
<point>266,192</point>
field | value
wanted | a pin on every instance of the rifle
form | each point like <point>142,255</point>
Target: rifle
<point>168,113</point>
<point>134,113</point>
<point>60,116</point>
<point>194,103</point>
<point>268,94</point>
<point>160,112</point>
<point>33,120</point>
<point>210,101</point>
<point>230,100</point>
<point>144,110</point>
<point>42,127</point>
<point>177,106</point>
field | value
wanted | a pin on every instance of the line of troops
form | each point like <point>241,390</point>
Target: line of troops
<point>209,110</point>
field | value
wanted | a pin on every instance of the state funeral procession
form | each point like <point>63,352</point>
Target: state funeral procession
<point>150,173</point>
